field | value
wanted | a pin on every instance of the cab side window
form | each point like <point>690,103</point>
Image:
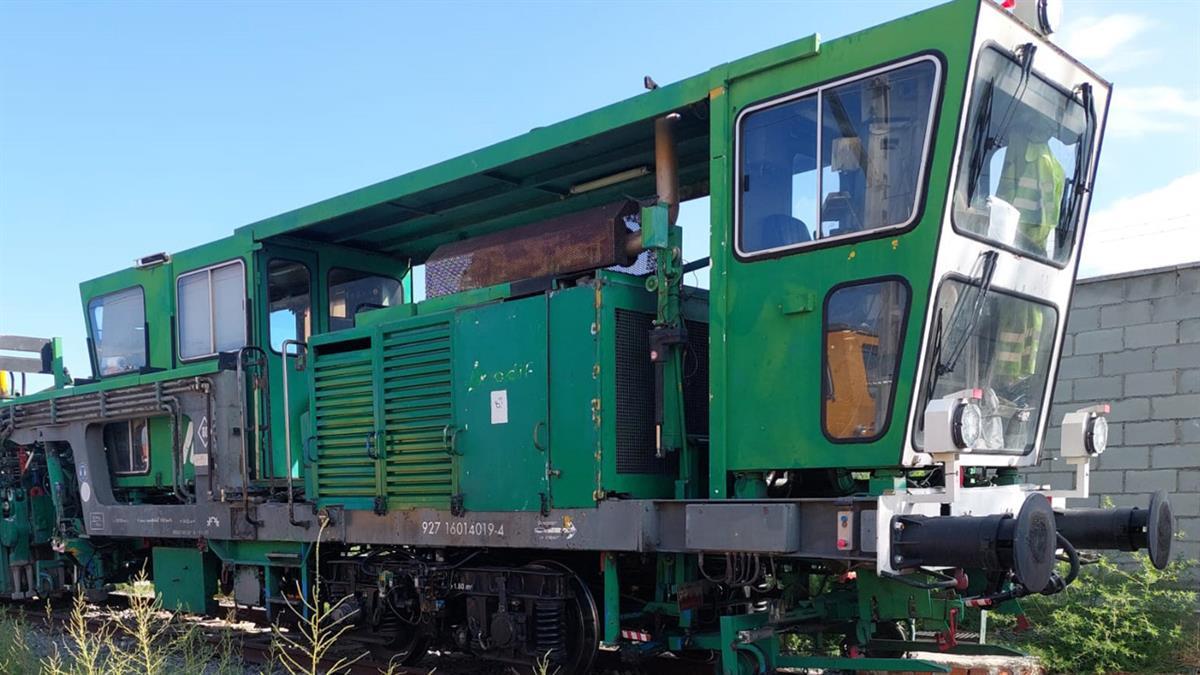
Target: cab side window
<point>290,302</point>
<point>118,323</point>
<point>779,176</point>
<point>212,310</point>
<point>353,291</point>
<point>845,158</point>
<point>864,333</point>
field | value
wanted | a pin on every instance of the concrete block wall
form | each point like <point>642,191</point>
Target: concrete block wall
<point>1133,340</point>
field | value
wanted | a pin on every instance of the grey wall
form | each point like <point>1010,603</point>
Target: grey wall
<point>1134,340</point>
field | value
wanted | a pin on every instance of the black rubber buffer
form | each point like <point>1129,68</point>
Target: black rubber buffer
<point>1024,543</point>
<point>1125,529</point>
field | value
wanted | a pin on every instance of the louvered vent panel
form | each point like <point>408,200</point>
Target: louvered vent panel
<point>344,411</point>
<point>418,415</point>
<point>635,398</point>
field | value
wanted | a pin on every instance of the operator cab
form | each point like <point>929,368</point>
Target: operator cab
<point>892,247</point>
<point>209,308</point>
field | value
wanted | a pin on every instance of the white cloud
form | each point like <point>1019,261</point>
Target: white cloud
<point>1093,38</point>
<point>1152,229</point>
<point>1140,110</point>
<point>1110,44</point>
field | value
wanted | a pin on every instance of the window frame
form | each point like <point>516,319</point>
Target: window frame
<point>129,430</point>
<point>211,311</point>
<point>95,345</point>
<point>312,305</point>
<point>891,404</point>
<point>1080,216</point>
<point>915,214</point>
<point>929,364</point>
<point>329,293</point>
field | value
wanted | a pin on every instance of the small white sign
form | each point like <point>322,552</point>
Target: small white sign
<point>500,406</point>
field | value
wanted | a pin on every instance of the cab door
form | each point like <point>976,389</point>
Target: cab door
<point>289,314</point>
<point>828,188</point>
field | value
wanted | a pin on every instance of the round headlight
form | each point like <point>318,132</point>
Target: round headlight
<point>1096,438</point>
<point>968,425</point>
<point>1049,15</point>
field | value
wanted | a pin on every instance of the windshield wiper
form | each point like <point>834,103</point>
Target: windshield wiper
<point>1072,197</point>
<point>983,285</point>
<point>982,140</point>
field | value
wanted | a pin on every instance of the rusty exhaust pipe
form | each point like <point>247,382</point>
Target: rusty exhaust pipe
<point>666,177</point>
<point>666,164</point>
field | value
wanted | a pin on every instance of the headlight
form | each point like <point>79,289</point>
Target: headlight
<point>1096,438</point>
<point>967,425</point>
<point>1085,431</point>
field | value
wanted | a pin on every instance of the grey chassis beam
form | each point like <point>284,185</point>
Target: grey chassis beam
<point>791,528</point>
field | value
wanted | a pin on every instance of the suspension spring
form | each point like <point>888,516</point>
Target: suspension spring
<point>550,629</point>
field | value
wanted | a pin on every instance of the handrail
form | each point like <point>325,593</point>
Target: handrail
<point>241,379</point>
<point>287,426</point>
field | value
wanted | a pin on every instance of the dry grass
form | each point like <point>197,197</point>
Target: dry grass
<point>142,640</point>
<point>318,630</point>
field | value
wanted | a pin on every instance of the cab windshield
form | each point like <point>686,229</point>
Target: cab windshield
<point>1023,169</point>
<point>1000,344</point>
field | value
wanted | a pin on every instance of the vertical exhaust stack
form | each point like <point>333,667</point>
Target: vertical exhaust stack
<point>666,164</point>
<point>666,178</point>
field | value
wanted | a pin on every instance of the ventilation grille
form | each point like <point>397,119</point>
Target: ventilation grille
<point>418,415</point>
<point>343,405</point>
<point>695,378</point>
<point>635,392</point>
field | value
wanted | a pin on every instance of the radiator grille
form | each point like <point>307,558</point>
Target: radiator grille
<point>695,378</point>
<point>635,392</point>
<point>343,405</point>
<point>418,415</point>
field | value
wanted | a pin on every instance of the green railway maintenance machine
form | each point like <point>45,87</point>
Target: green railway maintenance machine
<point>524,431</point>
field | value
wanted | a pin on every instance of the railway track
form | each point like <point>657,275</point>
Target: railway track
<point>254,642</point>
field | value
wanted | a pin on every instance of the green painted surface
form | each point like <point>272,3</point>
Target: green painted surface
<point>185,578</point>
<point>418,410</point>
<point>501,358</point>
<point>576,375</point>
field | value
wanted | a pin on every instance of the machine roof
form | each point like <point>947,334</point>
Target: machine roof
<point>526,178</point>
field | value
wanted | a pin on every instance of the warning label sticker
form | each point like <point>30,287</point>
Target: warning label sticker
<point>500,406</point>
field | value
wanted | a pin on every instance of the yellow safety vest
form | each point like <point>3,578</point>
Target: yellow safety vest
<point>1032,180</point>
<point>1034,185</point>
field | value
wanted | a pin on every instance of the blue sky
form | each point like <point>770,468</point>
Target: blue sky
<point>129,128</point>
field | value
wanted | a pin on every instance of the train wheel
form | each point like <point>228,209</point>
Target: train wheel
<point>402,638</point>
<point>405,646</point>
<point>581,621</point>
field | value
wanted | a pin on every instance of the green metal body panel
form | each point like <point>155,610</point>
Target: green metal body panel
<point>383,415</point>
<point>502,399</point>
<point>417,409</point>
<point>260,553</point>
<point>576,389</point>
<point>186,578</point>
